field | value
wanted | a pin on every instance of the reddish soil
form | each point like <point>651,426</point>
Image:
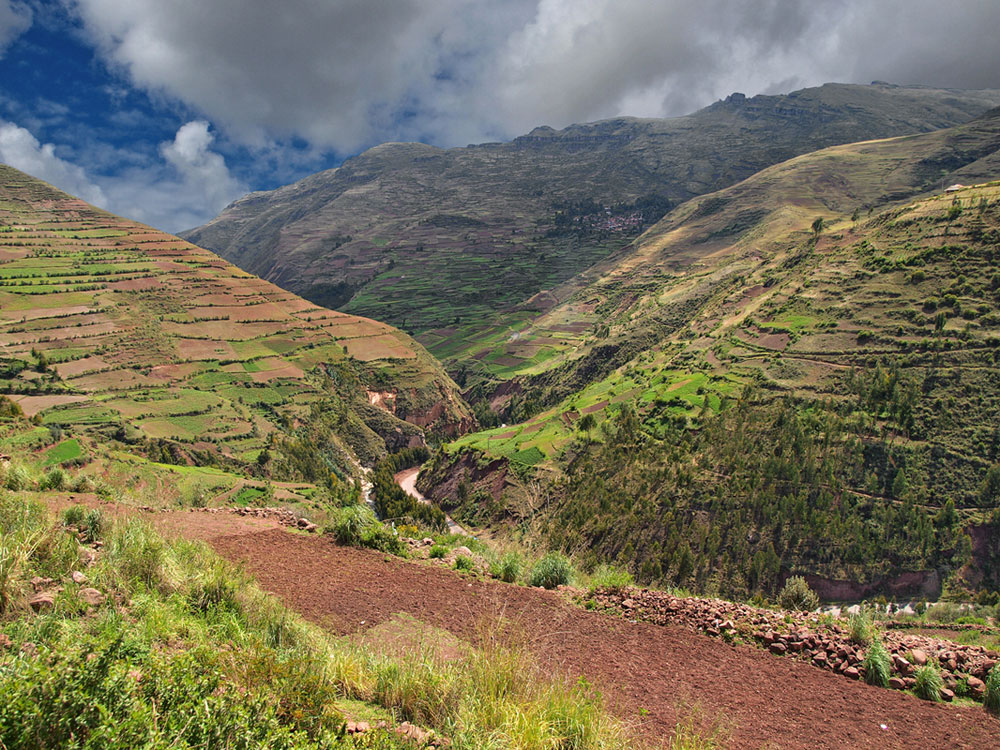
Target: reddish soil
<point>767,701</point>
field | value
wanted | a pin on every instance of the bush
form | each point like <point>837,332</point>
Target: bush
<point>17,478</point>
<point>796,595</point>
<point>550,571</point>
<point>877,664</point>
<point>610,577</point>
<point>94,524</point>
<point>991,698</point>
<point>54,479</point>
<point>349,524</point>
<point>437,552</point>
<point>357,526</point>
<point>462,562</point>
<point>508,567</point>
<point>862,629</point>
<point>928,683</point>
<point>74,515</point>
<point>134,556</point>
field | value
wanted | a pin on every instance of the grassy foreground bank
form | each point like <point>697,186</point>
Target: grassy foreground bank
<point>181,649</point>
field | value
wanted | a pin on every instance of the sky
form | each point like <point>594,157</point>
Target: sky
<point>165,111</point>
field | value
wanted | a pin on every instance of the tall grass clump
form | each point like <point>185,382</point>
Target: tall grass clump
<point>611,578</point>
<point>134,557</point>
<point>357,526</point>
<point>991,698</point>
<point>550,571</point>
<point>74,515</point>
<point>53,480</point>
<point>21,532</point>
<point>507,567</point>
<point>796,595</point>
<point>17,478</point>
<point>861,628</point>
<point>877,664</point>
<point>928,683</point>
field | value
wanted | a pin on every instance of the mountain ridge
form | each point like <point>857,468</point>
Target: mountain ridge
<point>357,238</point>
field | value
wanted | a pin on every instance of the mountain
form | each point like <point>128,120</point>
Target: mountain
<point>459,246</point>
<point>796,374</point>
<point>111,326</point>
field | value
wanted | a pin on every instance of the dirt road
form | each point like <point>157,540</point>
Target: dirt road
<point>646,671</point>
<point>407,480</point>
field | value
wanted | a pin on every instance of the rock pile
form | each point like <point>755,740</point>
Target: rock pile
<point>823,641</point>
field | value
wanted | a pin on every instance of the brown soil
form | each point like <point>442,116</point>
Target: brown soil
<point>768,701</point>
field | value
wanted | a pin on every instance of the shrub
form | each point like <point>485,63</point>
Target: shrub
<point>877,664</point>
<point>991,698</point>
<point>94,524</point>
<point>134,556</point>
<point>74,515</point>
<point>611,577</point>
<point>861,627</point>
<point>54,479</point>
<point>508,567</point>
<point>550,571</point>
<point>462,562</point>
<point>928,683</point>
<point>796,595</point>
<point>437,552</point>
<point>349,524</point>
<point>382,538</point>
<point>17,478</point>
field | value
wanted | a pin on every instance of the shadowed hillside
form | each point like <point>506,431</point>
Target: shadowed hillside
<point>456,245</point>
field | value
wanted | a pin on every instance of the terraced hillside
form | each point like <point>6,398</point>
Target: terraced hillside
<point>108,324</point>
<point>461,247</point>
<point>797,373</point>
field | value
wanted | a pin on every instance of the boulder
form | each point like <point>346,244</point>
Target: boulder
<point>947,695</point>
<point>79,577</point>
<point>852,672</point>
<point>43,601</point>
<point>777,648</point>
<point>976,686</point>
<point>92,597</point>
<point>895,683</point>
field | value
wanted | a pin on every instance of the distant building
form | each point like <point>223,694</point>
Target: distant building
<point>954,188</point>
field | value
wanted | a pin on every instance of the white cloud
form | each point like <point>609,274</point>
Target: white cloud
<point>190,186</point>
<point>343,74</point>
<point>15,19</point>
<point>21,150</point>
<point>200,169</point>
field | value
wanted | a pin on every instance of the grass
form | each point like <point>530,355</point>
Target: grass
<point>928,683</point>
<point>550,571</point>
<point>507,567</point>
<point>877,664</point>
<point>67,450</point>
<point>189,639</point>
<point>610,577</point>
<point>861,628</point>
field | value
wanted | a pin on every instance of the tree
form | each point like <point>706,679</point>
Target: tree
<point>817,225</point>
<point>587,423</point>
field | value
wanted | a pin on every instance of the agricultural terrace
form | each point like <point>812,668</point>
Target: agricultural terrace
<point>104,321</point>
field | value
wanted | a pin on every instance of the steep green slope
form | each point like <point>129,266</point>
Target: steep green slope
<point>111,325</point>
<point>768,393</point>
<point>457,246</point>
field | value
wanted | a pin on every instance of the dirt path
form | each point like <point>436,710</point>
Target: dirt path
<point>645,670</point>
<point>407,480</point>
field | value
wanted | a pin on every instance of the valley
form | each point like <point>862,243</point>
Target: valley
<point>641,433</point>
